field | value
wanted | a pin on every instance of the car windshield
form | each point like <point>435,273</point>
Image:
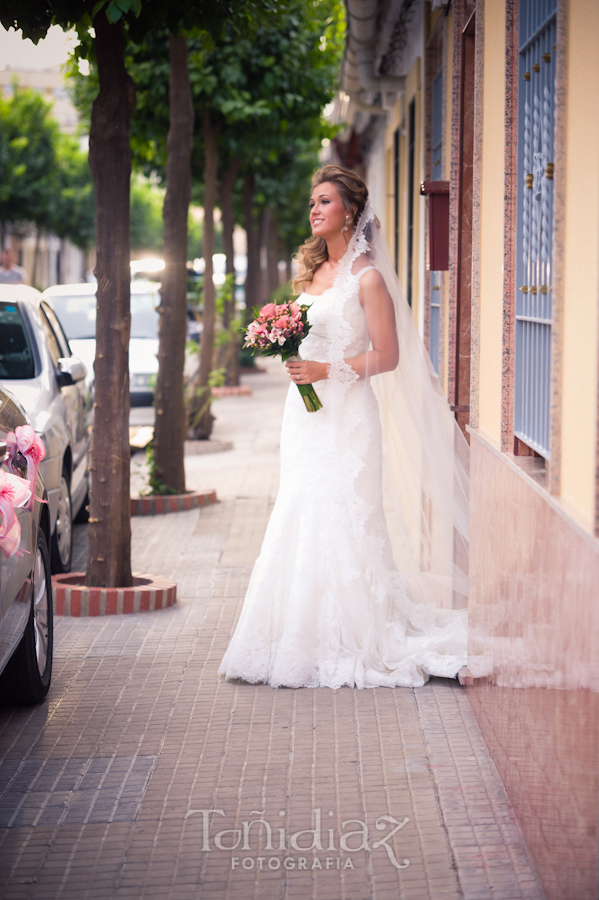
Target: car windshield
<point>77,315</point>
<point>16,357</point>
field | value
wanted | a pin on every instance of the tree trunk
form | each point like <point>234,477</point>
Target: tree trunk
<point>263,237</point>
<point>253,244</point>
<point>36,255</point>
<point>109,555</point>
<point>230,360</point>
<point>201,417</point>
<point>59,261</point>
<point>273,254</point>
<point>171,425</point>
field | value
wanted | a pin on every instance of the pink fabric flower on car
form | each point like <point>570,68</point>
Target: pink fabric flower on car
<point>25,441</point>
<point>14,492</point>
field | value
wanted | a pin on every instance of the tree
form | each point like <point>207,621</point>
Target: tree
<point>146,226</point>
<point>255,93</point>
<point>291,67</point>
<point>170,425</point>
<point>28,138</point>
<point>109,557</point>
<point>72,211</point>
<point>147,62</point>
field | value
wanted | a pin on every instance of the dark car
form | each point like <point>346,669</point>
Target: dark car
<point>26,615</point>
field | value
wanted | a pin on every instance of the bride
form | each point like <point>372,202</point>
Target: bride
<point>362,564</point>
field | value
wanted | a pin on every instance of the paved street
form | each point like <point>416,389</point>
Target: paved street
<point>105,788</point>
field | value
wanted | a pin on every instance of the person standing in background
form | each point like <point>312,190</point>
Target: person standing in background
<point>9,272</point>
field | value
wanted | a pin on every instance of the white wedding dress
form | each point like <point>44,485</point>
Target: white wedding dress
<point>326,606</point>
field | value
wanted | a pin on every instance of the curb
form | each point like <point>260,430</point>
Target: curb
<point>237,390</point>
<point>168,503</point>
<point>149,593</point>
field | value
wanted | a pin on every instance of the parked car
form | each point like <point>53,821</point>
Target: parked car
<point>26,619</point>
<point>75,306</point>
<point>38,366</point>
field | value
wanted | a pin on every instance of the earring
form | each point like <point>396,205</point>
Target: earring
<point>346,226</point>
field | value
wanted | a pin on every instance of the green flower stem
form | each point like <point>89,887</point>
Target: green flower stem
<point>310,397</point>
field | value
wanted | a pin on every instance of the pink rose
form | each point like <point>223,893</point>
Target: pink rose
<point>294,309</point>
<point>282,322</point>
<point>256,328</point>
<point>269,310</point>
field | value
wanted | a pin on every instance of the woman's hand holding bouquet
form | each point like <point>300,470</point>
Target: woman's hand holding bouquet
<point>278,330</point>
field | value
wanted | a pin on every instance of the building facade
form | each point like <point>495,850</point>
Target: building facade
<point>47,259</point>
<point>477,129</point>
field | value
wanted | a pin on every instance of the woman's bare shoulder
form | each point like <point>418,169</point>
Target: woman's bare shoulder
<point>371,278</point>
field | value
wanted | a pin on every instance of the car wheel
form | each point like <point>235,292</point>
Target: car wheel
<point>26,678</point>
<point>62,539</point>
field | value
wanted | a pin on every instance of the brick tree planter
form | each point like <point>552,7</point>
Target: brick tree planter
<point>72,597</point>
<point>167,503</point>
<point>236,390</point>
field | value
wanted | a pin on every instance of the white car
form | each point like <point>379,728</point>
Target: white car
<point>75,306</point>
<point>38,366</point>
<point>26,620</point>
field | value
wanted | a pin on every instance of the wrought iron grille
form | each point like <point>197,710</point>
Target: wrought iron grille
<point>437,175</point>
<point>536,129</point>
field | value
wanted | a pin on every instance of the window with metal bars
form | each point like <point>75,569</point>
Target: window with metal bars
<point>437,175</point>
<point>536,128</point>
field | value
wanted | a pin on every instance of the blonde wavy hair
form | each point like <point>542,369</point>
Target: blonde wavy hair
<point>313,252</point>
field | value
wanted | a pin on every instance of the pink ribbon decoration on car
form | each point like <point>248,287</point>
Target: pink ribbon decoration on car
<point>24,440</point>
<point>14,492</point>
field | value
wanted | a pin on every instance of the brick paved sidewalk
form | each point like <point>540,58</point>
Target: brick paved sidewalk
<point>103,787</point>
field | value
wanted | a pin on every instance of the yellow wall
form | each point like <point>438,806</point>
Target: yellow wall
<point>399,117</point>
<point>491,230</point>
<point>393,123</point>
<point>579,387</point>
<point>414,92</point>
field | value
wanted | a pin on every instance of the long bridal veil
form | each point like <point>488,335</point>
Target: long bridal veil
<point>425,454</point>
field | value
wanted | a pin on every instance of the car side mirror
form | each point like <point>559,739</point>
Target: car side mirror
<point>70,371</point>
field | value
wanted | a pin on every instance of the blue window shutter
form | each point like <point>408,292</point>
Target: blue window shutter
<point>534,234</point>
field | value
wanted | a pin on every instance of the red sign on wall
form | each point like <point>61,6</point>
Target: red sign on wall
<point>438,223</point>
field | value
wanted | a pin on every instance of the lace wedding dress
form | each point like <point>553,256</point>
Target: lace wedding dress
<point>326,605</point>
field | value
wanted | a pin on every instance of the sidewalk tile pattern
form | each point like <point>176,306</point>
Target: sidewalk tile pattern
<point>106,787</point>
<point>145,775</point>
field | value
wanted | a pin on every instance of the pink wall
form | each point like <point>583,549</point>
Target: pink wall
<point>534,639</point>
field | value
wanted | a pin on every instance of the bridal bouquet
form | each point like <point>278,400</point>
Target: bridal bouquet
<point>278,330</point>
